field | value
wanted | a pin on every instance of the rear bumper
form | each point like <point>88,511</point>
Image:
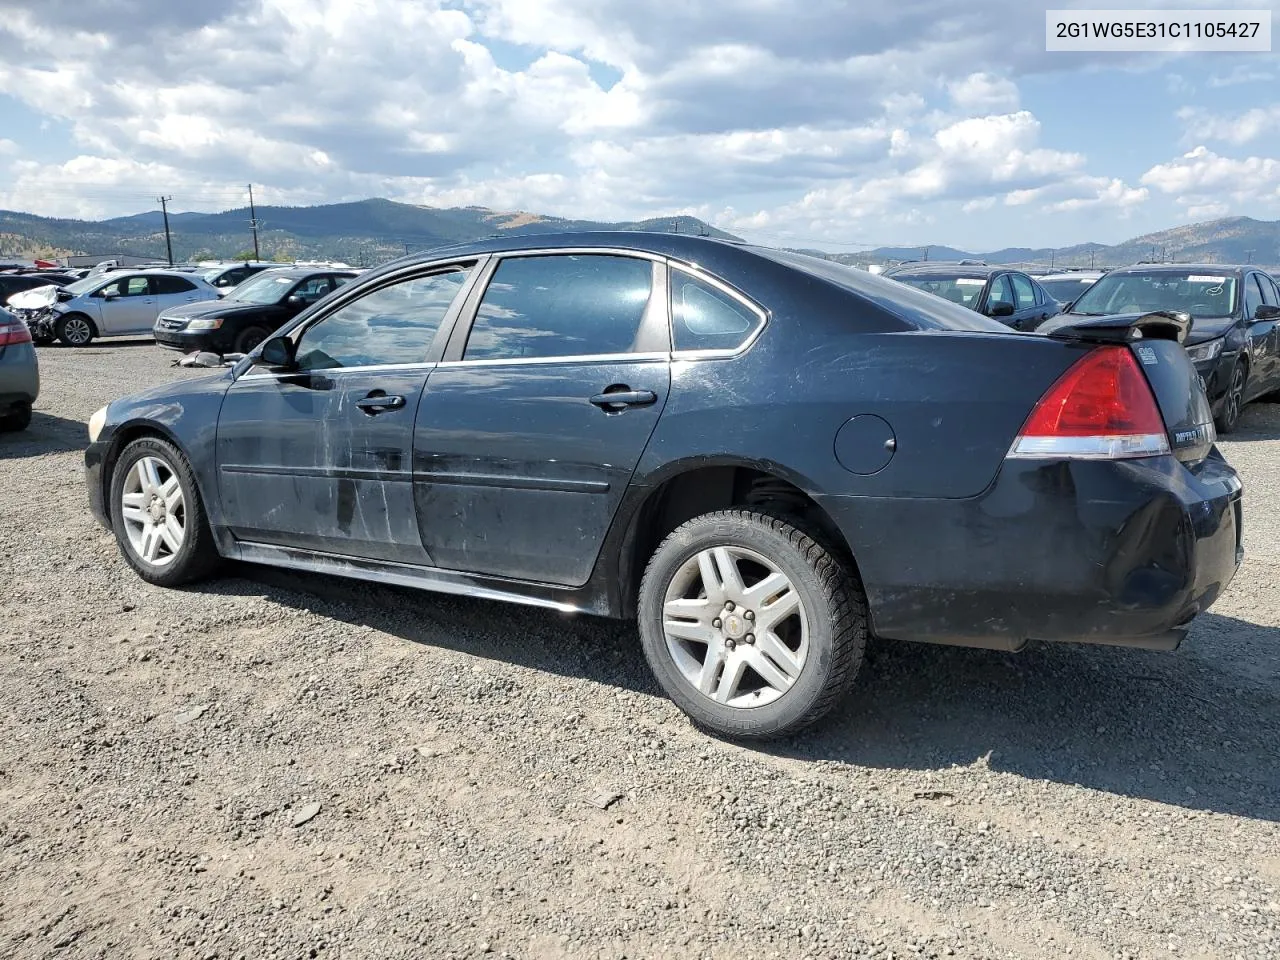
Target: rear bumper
<point>19,375</point>
<point>1124,552</point>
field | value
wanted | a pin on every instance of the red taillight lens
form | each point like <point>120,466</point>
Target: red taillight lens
<point>1101,409</point>
<point>13,332</point>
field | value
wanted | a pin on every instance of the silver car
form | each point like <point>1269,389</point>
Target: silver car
<point>122,302</point>
<point>19,373</point>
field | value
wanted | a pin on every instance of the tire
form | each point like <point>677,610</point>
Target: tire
<point>250,337</point>
<point>1233,402</point>
<point>145,536</point>
<point>18,418</point>
<point>76,330</point>
<point>808,661</point>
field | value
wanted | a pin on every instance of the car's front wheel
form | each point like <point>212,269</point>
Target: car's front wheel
<point>1233,402</point>
<point>751,626</point>
<point>76,330</point>
<point>157,514</point>
<point>250,337</point>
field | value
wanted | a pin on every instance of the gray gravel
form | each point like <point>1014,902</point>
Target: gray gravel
<point>275,765</point>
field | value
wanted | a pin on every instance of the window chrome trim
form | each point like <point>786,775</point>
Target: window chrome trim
<point>762,315</point>
<point>579,358</point>
<point>339,371</point>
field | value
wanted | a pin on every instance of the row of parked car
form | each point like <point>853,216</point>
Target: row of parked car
<point>1234,311</point>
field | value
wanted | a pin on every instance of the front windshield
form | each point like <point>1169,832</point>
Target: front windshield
<point>1068,288</point>
<point>1200,293</point>
<point>262,288</point>
<point>87,285</point>
<point>962,290</point>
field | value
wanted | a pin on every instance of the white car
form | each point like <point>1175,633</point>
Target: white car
<point>121,303</point>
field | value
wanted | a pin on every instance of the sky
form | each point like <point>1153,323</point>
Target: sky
<point>834,124</point>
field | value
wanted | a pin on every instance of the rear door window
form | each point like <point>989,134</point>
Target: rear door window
<point>563,305</point>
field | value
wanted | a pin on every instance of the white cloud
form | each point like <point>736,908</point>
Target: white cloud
<point>1202,181</point>
<point>984,93</point>
<point>1202,125</point>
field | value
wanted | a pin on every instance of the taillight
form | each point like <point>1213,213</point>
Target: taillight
<point>1100,409</point>
<point>13,332</point>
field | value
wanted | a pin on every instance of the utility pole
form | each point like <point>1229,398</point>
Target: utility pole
<point>1092,254</point>
<point>1248,254</point>
<point>253,223</point>
<point>926,253</point>
<point>168,240</point>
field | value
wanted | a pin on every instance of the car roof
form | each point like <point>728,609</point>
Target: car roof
<point>1212,269</point>
<point>952,269</point>
<point>298,273</point>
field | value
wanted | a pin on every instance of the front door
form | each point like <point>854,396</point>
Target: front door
<point>321,457</point>
<point>127,305</point>
<point>1266,336</point>
<point>528,436</point>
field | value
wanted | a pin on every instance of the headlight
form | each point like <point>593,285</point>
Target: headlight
<point>96,423</point>
<point>204,324</point>
<point>1203,352</point>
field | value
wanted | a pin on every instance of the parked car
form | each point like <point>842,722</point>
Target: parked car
<point>121,302</point>
<point>1010,296</point>
<point>226,276</point>
<point>1068,286</point>
<point>1234,340</point>
<point>248,314</point>
<point>19,373</point>
<point>11,283</point>
<point>734,445</point>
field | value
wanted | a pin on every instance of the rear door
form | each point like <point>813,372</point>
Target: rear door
<point>529,433</point>
<point>172,291</point>
<point>321,457</point>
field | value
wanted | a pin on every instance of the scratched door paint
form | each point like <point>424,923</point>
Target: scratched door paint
<point>302,463</point>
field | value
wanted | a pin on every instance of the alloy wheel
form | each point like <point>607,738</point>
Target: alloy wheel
<point>77,331</point>
<point>154,511</point>
<point>735,627</point>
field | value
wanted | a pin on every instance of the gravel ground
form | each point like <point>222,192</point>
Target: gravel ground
<point>277,765</point>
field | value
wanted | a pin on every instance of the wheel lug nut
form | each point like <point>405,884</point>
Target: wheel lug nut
<point>729,606</point>
<point>751,638</point>
<point>730,644</point>
<point>750,614</point>
<point>716,623</point>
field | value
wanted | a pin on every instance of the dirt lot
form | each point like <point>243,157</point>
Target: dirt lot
<point>161,748</point>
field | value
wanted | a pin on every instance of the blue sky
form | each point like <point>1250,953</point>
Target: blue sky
<point>829,123</point>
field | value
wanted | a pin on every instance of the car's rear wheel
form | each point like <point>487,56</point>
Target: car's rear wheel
<point>751,626</point>
<point>157,514</point>
<point>76,330</point>
<point>249,338</point>
<point>1233,402</point>
<point>18,418</point>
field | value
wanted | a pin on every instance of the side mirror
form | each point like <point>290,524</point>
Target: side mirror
<point>1000,308</point>
<point>294,300</point>
<point>279,353</point>
<point>1266,311</point>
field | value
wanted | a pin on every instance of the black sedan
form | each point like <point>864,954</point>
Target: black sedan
<point>1234,340</point>
<point>733,445</point>
<point>1010,296</point>
<point>249,313</point>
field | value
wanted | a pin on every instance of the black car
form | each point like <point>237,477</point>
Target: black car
<point>763,457</point>
<point>1010,296</point>
<point>227,275</point>
<point>245,317</point>
<point>1234,340</point>
<point>11,283</point>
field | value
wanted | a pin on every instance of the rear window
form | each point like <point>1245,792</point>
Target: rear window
<point>920,310</point>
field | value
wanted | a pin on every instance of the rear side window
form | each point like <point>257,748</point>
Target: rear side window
<point>395,324</point>
<point>163,285</point>
<point>561,306</point>
<point>1023,291</point>
<point>1269,293</point>
<point>703,317</point>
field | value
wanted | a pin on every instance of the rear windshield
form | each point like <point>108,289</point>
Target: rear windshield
<point>921,310</point>
<point>1067,289</point>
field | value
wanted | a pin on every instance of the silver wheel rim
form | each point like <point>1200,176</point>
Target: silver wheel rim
<point>735,627</point>
<point>76,330</point>
<point>154,511</point>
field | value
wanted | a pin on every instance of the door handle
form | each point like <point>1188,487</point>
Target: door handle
<point>378,402</point>
<point>618,399</point>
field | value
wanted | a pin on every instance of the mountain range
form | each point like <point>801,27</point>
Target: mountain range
<point>370,231</point>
